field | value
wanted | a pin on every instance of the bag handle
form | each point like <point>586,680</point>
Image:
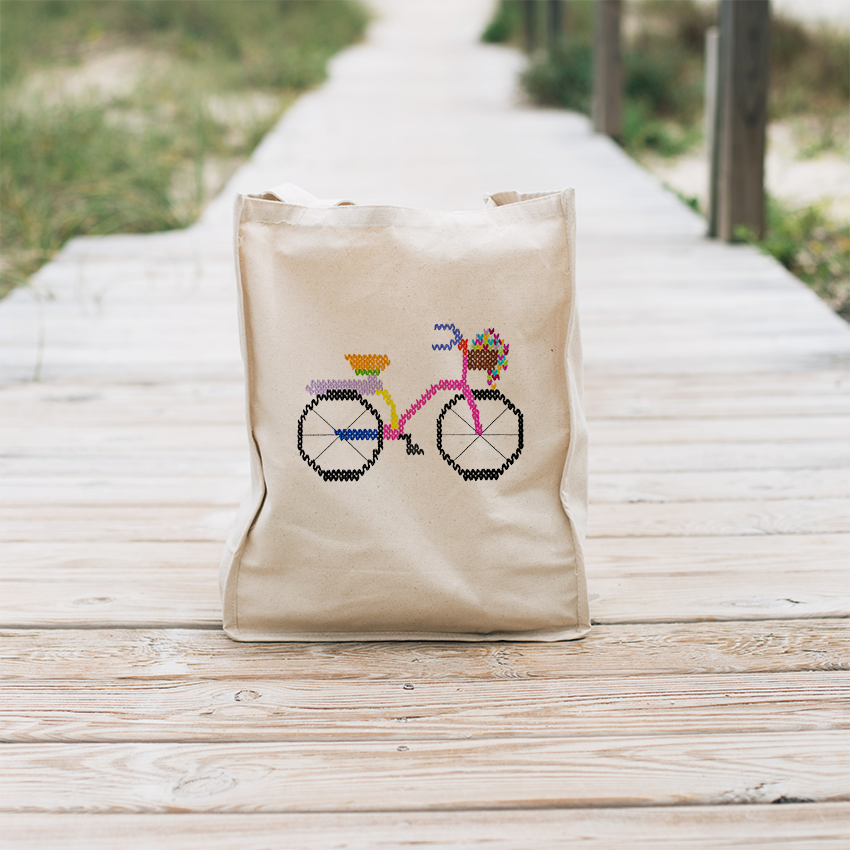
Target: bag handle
<point>289,193</point>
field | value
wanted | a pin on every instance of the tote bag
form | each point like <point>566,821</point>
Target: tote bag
<point>414,407</point>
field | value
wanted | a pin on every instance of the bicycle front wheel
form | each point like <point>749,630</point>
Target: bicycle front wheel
<point>340,435</point>
<point>485,456</point>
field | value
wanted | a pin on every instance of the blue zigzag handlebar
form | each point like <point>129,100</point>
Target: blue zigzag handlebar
<point>449,345</point>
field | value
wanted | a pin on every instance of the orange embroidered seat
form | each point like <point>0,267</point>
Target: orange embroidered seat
<point>368,364</point>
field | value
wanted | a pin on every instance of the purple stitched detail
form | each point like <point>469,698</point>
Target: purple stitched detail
<point>366,386</point>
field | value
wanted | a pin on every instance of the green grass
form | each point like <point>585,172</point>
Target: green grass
<point>813,247</point>
<point>212,78</point>
<point>505,25</point>
<point>563,77</point>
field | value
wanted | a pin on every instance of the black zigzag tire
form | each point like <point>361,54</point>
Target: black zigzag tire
<point>348,455</point>
<point>480,457</point>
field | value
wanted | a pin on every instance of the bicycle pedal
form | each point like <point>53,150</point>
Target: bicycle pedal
<point>412,448</point>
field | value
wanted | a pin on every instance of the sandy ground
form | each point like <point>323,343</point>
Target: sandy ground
<point>832,12</point>
<point>823,179</point>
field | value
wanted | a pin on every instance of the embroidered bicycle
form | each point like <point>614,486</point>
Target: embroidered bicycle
<point>479,432</point>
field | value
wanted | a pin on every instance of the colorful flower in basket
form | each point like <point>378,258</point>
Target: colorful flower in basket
<point>489,352</point>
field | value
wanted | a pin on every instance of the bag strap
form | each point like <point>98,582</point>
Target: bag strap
<point>289,193</point>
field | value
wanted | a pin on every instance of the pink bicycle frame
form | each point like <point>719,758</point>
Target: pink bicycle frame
<point>391,433</point>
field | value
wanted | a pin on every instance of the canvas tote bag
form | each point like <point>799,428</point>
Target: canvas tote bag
<point>414,405</point>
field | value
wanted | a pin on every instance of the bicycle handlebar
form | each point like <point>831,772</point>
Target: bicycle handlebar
<point>448,346</point>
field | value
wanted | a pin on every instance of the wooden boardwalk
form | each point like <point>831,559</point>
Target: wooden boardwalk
<point>711,688</point>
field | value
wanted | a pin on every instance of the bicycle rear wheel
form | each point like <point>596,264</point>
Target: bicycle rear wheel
<point>486,456</point>
<point>340,435</point>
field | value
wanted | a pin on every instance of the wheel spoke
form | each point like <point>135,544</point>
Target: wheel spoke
<point>471,428</point>
<point>476,438</point>
<point>349,443</point>
<point>324,420</point>
<point>492,446</point>
<point>481,437</point>
<point>494,421</point>
<point>355,418</point>
<point>325,448</point>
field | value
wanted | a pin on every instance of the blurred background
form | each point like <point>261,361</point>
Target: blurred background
<point>130,115</point>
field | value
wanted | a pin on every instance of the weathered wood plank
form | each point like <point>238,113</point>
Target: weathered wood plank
<point>719,429</point>
<point>102,603</point>
<point>601,358</point>
<point>68,394</point>
<point>112,465</point>
<point>117,523</point>
<point>95,490</point>
<point>719,485</point>
<point>135,365</point>
<point>50,438</point>
<point>728,519</point>
<point>776,394</point>
<point>796,595</point>
<point>700,457</point>
<point>661,310</point>
<point>756,767</point>
<point>124,560</point>
<point>736,326</point>
<point>81,407</point>
<point>617,651</point>
<point>168,710</point>
<point>794,826</point>
<point>719,556</point>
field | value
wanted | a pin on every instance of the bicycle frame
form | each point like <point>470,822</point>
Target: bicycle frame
<point>394,430</point>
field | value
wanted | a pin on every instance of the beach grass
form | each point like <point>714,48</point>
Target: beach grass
<point>126,117</point>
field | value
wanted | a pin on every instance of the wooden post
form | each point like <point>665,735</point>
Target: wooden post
<point>607,108</point>
<point>554,22</point>
<point>711,121</point>
<point>529,22</point>
<point>744,42</point>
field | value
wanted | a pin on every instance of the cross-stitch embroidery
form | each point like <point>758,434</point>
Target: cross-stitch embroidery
<point>479,432</point>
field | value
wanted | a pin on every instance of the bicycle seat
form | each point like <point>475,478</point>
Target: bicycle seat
<point>368,364</point>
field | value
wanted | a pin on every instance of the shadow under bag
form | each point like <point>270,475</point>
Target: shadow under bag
<point>417,438</point>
